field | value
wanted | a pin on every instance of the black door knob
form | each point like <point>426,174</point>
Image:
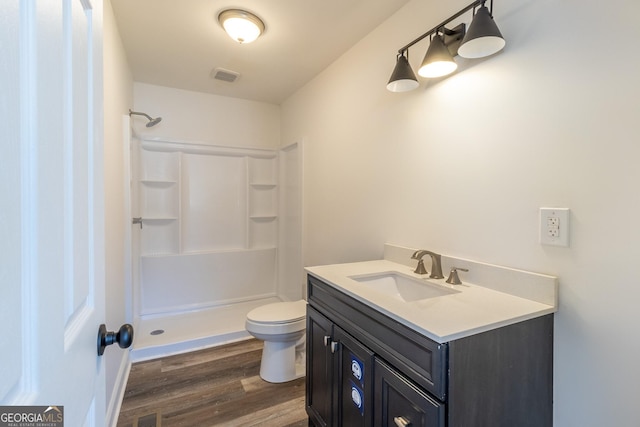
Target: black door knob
<point>124,337</point>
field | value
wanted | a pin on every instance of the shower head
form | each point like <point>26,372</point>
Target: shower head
<point>152,121</point>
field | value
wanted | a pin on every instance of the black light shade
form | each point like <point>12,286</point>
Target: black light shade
<point>483,37</point>
<point>438,61</point>
<point>402,79</point>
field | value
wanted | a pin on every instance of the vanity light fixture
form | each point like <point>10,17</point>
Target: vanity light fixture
<point>240,25</point>
<point>438,61</point>
<point>402,79</point>
<point>482,39</point>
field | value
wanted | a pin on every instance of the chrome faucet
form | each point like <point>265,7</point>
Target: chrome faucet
<point>436,264</point>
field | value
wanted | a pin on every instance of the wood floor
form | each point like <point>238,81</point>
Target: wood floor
<point>214,387</point>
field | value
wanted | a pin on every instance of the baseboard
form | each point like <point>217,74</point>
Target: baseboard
<point>115,400</point>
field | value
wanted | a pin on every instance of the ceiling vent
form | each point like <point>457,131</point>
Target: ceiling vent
<point>224,75</point>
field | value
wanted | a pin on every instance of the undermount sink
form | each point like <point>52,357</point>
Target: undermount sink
<point>402,287</point>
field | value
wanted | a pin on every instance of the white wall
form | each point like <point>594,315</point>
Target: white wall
<point>291,275</point>
<point>196,116</point>
<point>118,98</point>
<point>462,166</point>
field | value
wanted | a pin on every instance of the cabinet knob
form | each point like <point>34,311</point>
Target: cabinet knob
<point>401,422</point>
<point>334,346</point>
<point>327,340</point>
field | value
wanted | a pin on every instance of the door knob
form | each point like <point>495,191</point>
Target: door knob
<point>124,337</point>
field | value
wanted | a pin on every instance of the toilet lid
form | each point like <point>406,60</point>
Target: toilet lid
<point>279,312</point>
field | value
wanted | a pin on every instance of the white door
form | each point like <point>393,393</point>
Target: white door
<point>51,207</point>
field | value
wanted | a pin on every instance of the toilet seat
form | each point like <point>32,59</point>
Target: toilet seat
<point>278,313</point>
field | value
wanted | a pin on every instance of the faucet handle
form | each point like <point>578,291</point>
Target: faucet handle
<point>420,268</point>
<point>453,276</point>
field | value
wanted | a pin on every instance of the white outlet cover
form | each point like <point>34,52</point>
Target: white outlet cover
<point>558,219</point>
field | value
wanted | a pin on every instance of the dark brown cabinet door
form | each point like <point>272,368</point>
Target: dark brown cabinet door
<point>354,373</point>
<point>319,368</point>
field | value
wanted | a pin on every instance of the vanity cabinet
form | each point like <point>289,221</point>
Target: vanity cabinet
<point>367,369</point>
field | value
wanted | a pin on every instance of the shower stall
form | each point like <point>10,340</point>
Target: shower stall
<point>216,233</point>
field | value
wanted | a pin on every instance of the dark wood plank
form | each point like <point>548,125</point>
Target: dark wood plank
<point>217,386</point>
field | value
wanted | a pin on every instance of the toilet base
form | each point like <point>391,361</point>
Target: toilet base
<point>282,361</point>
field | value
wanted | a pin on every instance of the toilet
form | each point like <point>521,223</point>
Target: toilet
<point>281,326</point>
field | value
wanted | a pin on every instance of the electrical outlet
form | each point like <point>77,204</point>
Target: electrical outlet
<point>554,226</point>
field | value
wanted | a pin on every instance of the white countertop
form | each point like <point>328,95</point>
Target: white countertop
<point>473,309</point>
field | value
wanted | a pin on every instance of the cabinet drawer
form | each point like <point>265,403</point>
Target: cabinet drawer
<point>421,359</point>
<point>402,403</point>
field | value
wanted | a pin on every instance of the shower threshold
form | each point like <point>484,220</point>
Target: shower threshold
<point>164,335</point>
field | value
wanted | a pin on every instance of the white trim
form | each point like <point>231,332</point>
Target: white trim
<point>26,392</point>
<point>169,145</point>
<point>117,396</point>
<point>128,215</point>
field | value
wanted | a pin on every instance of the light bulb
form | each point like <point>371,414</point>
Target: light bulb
<point>240,25</point>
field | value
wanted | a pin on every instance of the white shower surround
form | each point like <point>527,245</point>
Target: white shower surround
<point>209,238</point>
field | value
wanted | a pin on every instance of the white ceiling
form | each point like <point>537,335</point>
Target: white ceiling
<point>177,43</point>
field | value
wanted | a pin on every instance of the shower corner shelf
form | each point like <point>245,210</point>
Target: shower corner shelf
<point>158,182</point>
<point>263,185</point>
<point>263,218</point>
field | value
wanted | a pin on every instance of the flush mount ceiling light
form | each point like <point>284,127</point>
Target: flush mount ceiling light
<point>482,39</point>
<point>242,26</point>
